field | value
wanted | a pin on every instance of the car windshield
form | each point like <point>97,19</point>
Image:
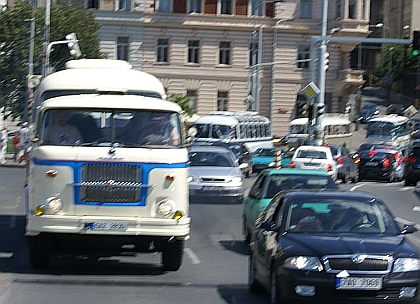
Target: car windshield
<point>264,152</point>
<point>338,215</point>
<point>210,159</point>
<point>286,182</point>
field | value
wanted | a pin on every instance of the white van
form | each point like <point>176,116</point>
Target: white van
<point>107,169</point>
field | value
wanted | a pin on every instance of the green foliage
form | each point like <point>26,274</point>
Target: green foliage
<point>184,102</point>
<point>396,59</point>
<point>15,28</point>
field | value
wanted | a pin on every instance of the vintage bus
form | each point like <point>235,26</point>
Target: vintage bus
<point>107,168</point>
<point>336,126</point>
<point>393,130</point>
<point>248,128</point>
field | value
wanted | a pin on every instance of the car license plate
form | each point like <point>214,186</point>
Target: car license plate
<point>359,283</point>
<point>371,164</point>
<point>107,226</point>
<point>211,188</point>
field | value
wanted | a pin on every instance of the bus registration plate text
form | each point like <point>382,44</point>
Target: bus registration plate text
<point>108,226</point>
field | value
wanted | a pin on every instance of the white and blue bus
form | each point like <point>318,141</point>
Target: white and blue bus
<point>248,128</point>
<point>393,130</point>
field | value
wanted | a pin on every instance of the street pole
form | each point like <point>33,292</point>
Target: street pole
<point>29,90</point>
<point>320,99</point>
<point>46,38</point>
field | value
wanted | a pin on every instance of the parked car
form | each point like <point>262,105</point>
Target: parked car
<point>241,153</point>
<point>263,158</point>
<point>382,164</point>
<point>347,166</point>
<point>412,164</point>
<point>271,181</point>
<point>299,256</point>
<point>367,112</point>
<point>214,175</point>
<point>314,158</point>
<point>395,108</point>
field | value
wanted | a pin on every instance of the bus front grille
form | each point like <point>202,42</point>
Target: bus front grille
<point>109,183</point>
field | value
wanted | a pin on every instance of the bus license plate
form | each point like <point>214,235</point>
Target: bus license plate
<point>106,226</point>
<point>358,283</point>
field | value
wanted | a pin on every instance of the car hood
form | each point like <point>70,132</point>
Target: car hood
<point>320,245</point>
<point>215,171</point>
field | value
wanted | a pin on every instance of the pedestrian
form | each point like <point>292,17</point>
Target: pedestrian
<point>3,143</point>
<point>24,139</point>
<point>15,146</point>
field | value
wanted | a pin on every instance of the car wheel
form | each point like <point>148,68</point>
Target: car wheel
<point>172,255</point>
<point>355,178</point>
<point>275,296</point>
<point>246,233</point>
<point>253,285</point>
<point>391,178</point>
<point>39,251</point>
<point>346,176</point>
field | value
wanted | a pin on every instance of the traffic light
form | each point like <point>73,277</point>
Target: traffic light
<point>73,45</point>
<point>326,60</point>
<point>416,47</point>
<point>303,109</point>
<point>311,114</point>
<point>320,109</point>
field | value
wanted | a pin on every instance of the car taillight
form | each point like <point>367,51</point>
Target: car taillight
<point>340,160</point>
<point>357,160</point>
<point>411,159</point>
<point>292,164</point>
<point>386,163</point>
<point>329,167</point>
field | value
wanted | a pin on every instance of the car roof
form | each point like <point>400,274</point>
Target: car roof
<point>331,194</point>
<point>319,148</point>
<point>295,172</point>
<point>220,149</point>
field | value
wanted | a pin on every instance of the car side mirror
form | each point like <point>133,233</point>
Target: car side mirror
<point>255,193</point>
<point>243,166</point>
<point>409,228</point>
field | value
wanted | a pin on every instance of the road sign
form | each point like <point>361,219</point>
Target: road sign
<point>310,91</point>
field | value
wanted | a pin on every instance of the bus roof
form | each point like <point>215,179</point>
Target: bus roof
<point>392,118</point>
<point>94,101</point>
<point>110,79</point>
<point>98,64</point>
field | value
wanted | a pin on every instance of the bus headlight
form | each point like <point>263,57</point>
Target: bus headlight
<point>52,205</point>
<point>164,209</point>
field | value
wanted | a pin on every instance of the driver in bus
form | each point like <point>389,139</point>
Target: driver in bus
<point>62,133</point>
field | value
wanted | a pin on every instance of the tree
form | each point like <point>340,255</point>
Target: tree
<point>184,102</point>
<point>15,40</point>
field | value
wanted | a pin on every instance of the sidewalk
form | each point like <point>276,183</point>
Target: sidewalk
<point>11,163</point>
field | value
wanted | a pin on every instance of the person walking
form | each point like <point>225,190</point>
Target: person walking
<point>15,147</point>
<point>3,143</point>
<point>23,141</point>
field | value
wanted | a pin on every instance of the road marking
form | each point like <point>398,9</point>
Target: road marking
<point>405,222</point>
<point>355,187</point>
<point>192,256</point>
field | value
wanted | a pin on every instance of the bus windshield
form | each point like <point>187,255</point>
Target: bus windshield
<point>380,128</point>
<point>127,128</point>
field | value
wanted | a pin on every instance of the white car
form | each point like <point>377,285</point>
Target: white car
<point>314,158</point>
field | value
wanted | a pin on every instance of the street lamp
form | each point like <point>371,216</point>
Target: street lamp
<point>273,66</point>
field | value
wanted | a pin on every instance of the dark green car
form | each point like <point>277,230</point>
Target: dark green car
<point>271,181</point>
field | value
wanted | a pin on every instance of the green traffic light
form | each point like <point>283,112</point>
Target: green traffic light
<point>415,52</point>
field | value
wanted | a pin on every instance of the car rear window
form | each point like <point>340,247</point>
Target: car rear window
<point>312,154</point>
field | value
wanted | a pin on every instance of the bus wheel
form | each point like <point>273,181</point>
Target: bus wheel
<point>172,255</point>
<point>39,251</point>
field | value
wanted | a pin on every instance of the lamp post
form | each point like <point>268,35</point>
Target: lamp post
<point>29,91</point>
<point>273,66</point>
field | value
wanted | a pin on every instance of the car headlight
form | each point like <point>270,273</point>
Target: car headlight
<point>406,264</point>
<point>236,179</point>
<point>192,178</point>
<point>303,263</point>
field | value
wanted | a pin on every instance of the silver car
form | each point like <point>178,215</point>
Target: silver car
<point>214,175</point>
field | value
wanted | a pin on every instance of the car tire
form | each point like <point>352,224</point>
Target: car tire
<point>253,285</point>
<point>172,255</point>
<point>246,233</point>
<point>391,178</point>
<point>39,251</point>
<point>345,177</point>
<point>355,178</point>
<point>275,295</point>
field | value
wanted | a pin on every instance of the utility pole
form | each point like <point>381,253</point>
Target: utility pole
<point>320,99</point>
<point>29,91</point>
<point>46,38</point>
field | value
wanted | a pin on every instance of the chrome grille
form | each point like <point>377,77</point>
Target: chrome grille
<point>213,180</point>
<point>110,183</point>
<point>378,264</point>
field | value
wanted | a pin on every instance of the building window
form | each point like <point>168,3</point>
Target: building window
<point>303,53</point>
<point>195,6</point>
<point>222,101</point>
<point>164,6</point>
<point>92,4</point>
<point>224,52</point>
<point>124,5</point>
<point>306,9</point>
<point>338,9</point>
<point>193,51</point>
<point>193,95</point>
<point>253,53</point>
<point>352,9</point>
<point>257,8</point>
<point>122,48</point>
<point>162,51</point>
<point>226,7</point>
